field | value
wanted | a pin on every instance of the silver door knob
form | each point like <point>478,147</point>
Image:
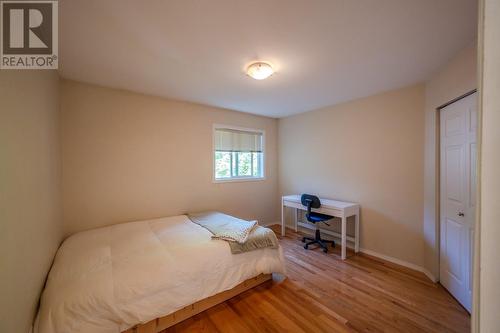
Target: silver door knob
<point>461,214</point>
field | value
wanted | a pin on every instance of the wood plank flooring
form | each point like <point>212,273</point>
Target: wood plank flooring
<point>322,293</point>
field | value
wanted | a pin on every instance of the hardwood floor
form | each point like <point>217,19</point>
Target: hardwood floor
<point>322,293</point>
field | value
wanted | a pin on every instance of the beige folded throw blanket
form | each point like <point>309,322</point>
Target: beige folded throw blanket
<point>241,235</point>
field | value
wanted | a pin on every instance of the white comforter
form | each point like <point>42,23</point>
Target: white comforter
<point>109,279</point>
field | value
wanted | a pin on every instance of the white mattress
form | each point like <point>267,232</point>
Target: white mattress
<point>109,279</point>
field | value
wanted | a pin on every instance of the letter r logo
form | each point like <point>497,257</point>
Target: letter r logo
<point>27,27</point>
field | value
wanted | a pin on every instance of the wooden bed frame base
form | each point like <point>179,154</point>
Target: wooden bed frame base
<point>159,324</point>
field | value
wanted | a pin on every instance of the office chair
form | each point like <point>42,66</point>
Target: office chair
<point>312,201</point>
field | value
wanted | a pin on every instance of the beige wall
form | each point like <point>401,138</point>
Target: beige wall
<point>128,156</point>
<point>30,209</point>
<point>454,79</point>
<point>368,151</point>
<point>489,320</point>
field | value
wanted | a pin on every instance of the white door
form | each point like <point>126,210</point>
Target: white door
<point>458,197</point>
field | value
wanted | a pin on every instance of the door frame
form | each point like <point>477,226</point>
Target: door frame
<point>438,174</point>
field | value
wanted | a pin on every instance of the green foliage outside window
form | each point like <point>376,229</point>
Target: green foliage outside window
<point>238,165</point>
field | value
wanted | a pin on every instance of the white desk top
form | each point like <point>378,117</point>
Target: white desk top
<point>324,202</point>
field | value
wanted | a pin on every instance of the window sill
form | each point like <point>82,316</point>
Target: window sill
<point>238,180</point>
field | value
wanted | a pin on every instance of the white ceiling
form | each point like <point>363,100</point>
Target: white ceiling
<point>325,52</point>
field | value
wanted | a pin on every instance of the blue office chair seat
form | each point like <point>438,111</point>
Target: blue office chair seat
<point>318,217</point>
<point>312,201</point>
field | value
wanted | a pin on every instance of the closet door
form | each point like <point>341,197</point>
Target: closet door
<point>458,197</point>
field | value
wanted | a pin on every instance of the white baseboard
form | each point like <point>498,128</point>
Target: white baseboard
<point>392,259</point>
<point>268,224</point>
<point>401,263</point>
<point>387,258</point>
<point>430,275</point>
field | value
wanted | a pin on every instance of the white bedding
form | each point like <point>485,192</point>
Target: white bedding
<point>109,279</point>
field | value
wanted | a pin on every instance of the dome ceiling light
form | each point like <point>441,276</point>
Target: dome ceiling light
<point>260,70</point>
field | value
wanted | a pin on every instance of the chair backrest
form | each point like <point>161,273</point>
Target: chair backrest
<point>310,201</point>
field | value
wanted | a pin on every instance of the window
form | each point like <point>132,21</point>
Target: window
<point>238,154</point>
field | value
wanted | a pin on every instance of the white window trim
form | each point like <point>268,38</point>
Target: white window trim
<point>239,179</point>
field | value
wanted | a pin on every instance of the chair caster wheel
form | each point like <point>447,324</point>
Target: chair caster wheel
<point>306,247</point>
<point>325,250</point>
<point>303,240</point>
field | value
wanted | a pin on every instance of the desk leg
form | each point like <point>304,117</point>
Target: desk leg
<point>356,236</point>
<point>344,238</point>
<point>296,219</point>
<point>282,219</point>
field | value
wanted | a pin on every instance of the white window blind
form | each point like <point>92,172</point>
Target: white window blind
<point>231,140</point>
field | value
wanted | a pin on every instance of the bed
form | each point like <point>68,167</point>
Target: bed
<point>145,276</point>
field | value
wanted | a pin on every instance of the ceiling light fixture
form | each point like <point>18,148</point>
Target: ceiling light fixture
<point>260,70</point>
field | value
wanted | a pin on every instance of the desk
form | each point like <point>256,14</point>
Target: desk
<point>334,208</point>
